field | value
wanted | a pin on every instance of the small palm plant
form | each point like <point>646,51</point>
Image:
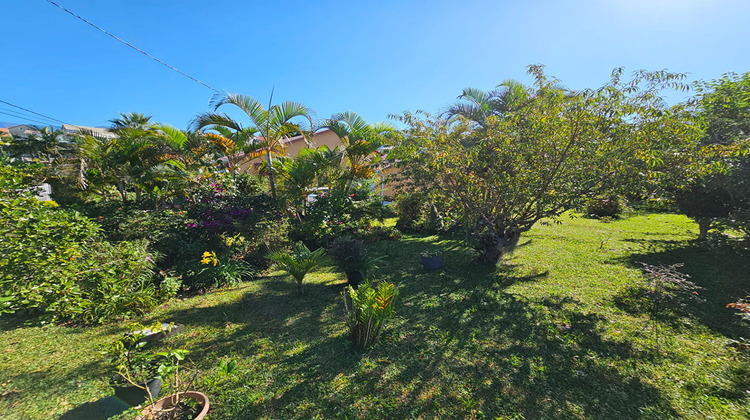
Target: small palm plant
<point>298,263</point>
<point>367,311</point>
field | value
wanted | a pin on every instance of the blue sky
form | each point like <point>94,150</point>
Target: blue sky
<point>374,58</point>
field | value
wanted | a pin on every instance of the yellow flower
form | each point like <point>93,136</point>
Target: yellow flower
<point>209,257</point>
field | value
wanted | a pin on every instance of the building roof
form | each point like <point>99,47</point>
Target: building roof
<point>81,129</point>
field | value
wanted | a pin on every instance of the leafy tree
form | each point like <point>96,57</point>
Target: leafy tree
<point>538,160</point>
<point>717,186</point>
<point>271,125</point>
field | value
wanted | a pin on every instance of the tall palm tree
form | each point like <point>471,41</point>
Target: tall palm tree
<point>361,141</point>
<point>272,125</point>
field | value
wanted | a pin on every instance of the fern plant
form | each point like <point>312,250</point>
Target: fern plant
<point>368,309</point>
<point>298,263</point>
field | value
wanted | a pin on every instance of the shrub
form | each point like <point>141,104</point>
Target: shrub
<point>409,209</point>
<point>205,222</point>
<point>298,263</point>
<point>424,213</point>
<point>668,288</point>
<point>53,260</point>
<point>604,206</point>
<point>349,254</point>
<point>367,310</point>
<point>336,214</point>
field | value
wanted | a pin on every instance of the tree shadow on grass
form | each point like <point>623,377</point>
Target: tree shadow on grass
<point>101,409</point>
<point>721,269</point>
<point>459,346</point>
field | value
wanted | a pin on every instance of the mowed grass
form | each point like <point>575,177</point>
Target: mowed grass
<point>555,332</point>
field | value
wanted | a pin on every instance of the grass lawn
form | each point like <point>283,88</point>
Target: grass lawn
<point>555,332</point>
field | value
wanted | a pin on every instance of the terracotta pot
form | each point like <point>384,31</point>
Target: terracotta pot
<point>170,401</point>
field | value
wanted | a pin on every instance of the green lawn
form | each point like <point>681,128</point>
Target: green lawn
<point>553,333</point>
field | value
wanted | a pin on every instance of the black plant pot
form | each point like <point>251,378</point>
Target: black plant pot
<point>355,278</point>
<point>432,263</point>
<point>133,396</point>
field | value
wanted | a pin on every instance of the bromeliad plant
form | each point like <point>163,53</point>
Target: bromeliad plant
<point>299,262</point>
<point>368,308</point>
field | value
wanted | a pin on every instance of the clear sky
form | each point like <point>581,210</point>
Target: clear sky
<point>371,57</point>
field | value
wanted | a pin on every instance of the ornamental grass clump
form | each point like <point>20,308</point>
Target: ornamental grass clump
<point>298,263</point>
<point>368,309</point>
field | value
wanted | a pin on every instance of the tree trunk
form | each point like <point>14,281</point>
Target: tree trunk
<point>123,193</point>
<point>271,180</point>
<point>494,246</point>
<point>703,225</point>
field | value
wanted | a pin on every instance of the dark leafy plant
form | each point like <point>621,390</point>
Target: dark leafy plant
<point>604,206</point>
<point>299,262</point>
<point>350,254</point>
<point>368,309</point>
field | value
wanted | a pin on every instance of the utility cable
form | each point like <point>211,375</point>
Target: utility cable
<point>24,118</point>
<point>14,113</point>
<point>135,48</point>
<point>35,113</point>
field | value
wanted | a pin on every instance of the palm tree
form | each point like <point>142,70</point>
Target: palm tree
<point>477,104</point>
<point>272,125</point>
<point>131,120</point>
<point>361,141</point>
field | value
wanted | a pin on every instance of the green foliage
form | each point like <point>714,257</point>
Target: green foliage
<point>336,214</point>
<point>299,262</point>
<point>508,171</point>
<point>468,336</point>
<point>269,127</point>
<point>368,309</point>
<point>53,260</point>
<point>134,363</point>
<point>424,212</point>
<point>715,187</point>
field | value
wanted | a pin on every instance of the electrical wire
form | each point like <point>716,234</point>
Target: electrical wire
<point>35,113</point>
<point>14,113</point>
<point>134,47</point>
<point>24,118</point>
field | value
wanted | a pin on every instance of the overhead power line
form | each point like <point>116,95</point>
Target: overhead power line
<point>14,113</point>
<point>24,119</point>
<point>35,113</point>
<point>134,47</point>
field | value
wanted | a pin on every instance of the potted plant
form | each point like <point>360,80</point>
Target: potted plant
<point>432,260</point>
<point>350,255</point>
<point>139,369</point>
<point>136,379</point>
<point>181,404</point>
